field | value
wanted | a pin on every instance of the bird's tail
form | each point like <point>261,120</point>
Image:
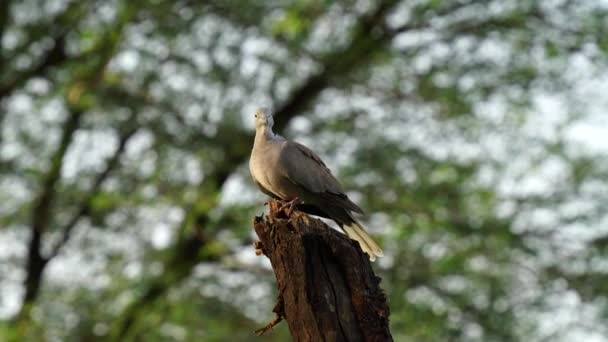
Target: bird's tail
<point>356,232</point>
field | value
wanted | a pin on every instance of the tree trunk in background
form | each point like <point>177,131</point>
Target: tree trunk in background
<point>327,288</point>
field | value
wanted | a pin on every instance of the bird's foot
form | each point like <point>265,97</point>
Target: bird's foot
<point>290,204</point>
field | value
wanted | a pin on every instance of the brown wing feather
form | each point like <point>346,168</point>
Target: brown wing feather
<point>310,154</point>
<point>305,168</point>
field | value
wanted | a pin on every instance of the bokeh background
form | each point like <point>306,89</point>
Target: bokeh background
<point>474,133</point>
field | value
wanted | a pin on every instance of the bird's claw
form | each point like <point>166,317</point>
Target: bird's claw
<point>290,204</point>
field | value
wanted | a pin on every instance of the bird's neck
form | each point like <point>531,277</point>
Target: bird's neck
<point>264,134</point>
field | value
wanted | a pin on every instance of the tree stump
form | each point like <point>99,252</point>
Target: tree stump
<point>327,288</point>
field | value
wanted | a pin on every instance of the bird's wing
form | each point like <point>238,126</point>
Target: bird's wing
<point>306,169</point>
<point>266,191</point>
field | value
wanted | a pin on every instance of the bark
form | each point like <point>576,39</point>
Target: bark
<point>327,288</point>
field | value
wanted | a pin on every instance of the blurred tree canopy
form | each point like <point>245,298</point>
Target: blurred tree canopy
<point>465,128</point>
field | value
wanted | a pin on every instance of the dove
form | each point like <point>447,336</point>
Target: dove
<point>293,173</point>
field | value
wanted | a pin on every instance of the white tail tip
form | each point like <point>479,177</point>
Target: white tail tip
<point>356,232</point>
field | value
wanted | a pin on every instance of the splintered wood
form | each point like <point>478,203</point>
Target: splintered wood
<point>328,289</point>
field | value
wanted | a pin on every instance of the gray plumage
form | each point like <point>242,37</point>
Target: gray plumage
<point>287,170</point>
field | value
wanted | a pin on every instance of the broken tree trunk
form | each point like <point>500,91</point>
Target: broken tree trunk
<point>327,288</point>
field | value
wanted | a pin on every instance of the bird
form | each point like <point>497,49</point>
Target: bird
<point>293,173</point>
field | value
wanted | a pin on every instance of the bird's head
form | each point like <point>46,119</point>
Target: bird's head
<point>263,118</point>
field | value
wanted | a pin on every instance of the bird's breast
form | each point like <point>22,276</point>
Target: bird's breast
<point>265,169</point>
<point>261,166</point>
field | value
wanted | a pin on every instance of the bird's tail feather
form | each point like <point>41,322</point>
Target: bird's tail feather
<point>356,232</point>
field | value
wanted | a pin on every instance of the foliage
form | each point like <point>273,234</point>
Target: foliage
<point>125,200</point>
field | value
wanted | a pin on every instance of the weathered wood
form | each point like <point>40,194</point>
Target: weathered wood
<point>327,288</point>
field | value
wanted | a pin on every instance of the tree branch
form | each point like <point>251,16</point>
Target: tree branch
<point>279,310</point>
<point>85,206</point>
<point>41,212</point>
<point>4,19</point>
<point>53,57</point>
<point>186,254</point>
<point>337,64</point>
